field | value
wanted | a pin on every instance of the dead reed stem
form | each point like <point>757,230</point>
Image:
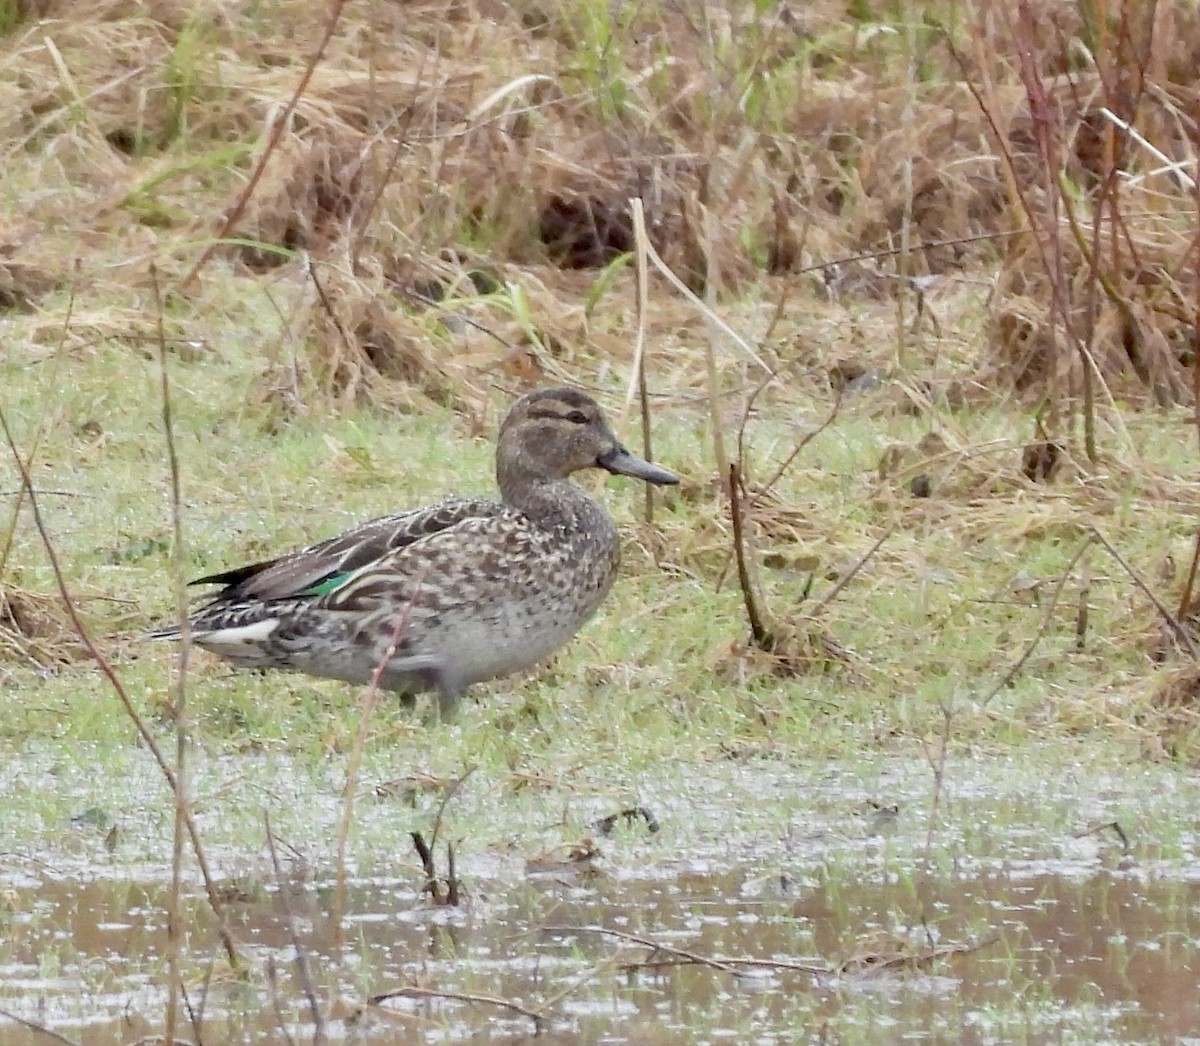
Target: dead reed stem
<point>303,973</point>
<point>175,930</point>
<point>282,121</point>
<point>370,699</point>
<point>643,306</point>
<point>474,998</point>
<point>1185,599</point>
<point>723,963</point>
<point>38,1029</point>
<point>1172,622</point>
<point>1012,673</point>
<point>762,636</point>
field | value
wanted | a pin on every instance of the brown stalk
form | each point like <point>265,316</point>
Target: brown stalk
<point>175,929</point>
<point>683,956</point>
<point>425,851</point>
<point>1185,600</point>
<point>235,214</point>
<point>639,355</point>
<point>1011,674</point>
<point>1045,233</point>
<point>1172,622</point>
<point>303,973</point>
<point>38,1029</point>
<point>147,737</point>
<point>451,898</point>
<point>370,699</point>
<point>413,992</point>
<point>763,638</point>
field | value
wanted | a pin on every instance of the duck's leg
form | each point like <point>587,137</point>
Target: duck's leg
<point>447,699</point>
<point>414,673</point>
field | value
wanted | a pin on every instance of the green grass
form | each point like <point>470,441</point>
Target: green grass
<point>939,614</point>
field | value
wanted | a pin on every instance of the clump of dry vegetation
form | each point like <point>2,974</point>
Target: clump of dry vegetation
<point>35,630</point>
<point>1048,147</point>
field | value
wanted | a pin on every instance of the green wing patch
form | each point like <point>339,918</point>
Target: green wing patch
<point>329,584</point>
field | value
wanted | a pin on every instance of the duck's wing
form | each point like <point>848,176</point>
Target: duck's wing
<point>321,568</point>
<point>465,565</point>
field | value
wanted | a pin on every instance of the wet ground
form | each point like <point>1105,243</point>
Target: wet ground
<point>773,905</point>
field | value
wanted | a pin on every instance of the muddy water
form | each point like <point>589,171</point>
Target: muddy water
<point>1016,934</point>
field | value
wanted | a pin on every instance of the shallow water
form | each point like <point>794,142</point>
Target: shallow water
<point>1019,925</point>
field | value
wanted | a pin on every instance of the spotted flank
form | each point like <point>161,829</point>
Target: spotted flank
<point>442,597</point>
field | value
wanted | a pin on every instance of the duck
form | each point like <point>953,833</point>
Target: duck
<point>437,599</point>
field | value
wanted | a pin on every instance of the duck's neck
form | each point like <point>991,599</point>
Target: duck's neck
<point>549,502</point>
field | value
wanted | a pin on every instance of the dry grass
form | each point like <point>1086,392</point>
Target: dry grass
<point>427,146</point>
<point>36,630</point>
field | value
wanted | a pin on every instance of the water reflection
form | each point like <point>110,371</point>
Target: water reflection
<point>1110,955</point>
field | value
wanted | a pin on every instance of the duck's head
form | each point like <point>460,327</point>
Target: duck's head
<point>550,433</point>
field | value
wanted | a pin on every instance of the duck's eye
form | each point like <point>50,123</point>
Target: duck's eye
<point>577,417</point>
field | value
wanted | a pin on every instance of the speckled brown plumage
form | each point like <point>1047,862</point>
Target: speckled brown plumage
<point>466,590</point>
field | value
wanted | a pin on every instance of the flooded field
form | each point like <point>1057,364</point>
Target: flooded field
<point>772,904</point>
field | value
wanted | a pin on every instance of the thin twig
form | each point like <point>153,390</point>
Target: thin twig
<point>40,1029</point>
<point>235,214</point>
<point>414,992</point>
<point>281,1018</point>
<point>1097,829</point>
<point>938,766</point>
<point>196,1013</point>
<point>369,701</point>
<point>303,974</point>
<point>1011,674</point>
<point>1172,621</point>
<point>723,963</point>
<point>805,440</point>
<point>749,406</point>
<point>574,986</point>
<point>35,443</point>
<point>847,577</point>
<point>924,245</point>
<point>695,958</point>
<point>876,962</point>
<point>175,928</point>
<point>451,792</point>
